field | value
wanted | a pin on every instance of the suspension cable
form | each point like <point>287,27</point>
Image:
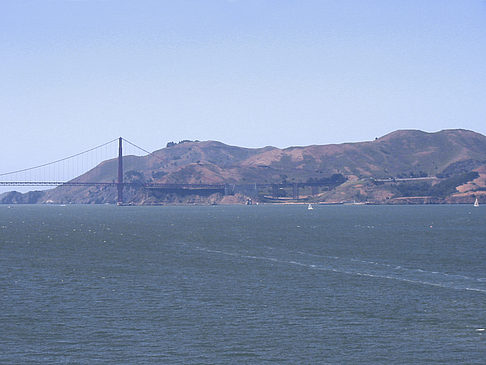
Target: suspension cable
<point>134,145</point>
<point>62,159</point>
<point>144,150</point>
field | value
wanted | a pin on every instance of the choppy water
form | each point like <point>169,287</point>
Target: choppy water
<point>243,285</point>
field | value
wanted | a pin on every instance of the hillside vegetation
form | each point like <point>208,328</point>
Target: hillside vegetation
<point>405,166</point>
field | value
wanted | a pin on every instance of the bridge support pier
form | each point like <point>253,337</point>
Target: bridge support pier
<point>295,191</point>
<point>275,189</point>
<point>229,189</point>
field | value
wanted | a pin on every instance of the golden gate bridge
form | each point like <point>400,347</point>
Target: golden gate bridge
<point>71,171</point>
<point>48,174</point>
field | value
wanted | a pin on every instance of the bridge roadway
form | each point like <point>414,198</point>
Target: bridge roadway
<point>158,185</point>
<point>226,189</point>
<point>53,183</point>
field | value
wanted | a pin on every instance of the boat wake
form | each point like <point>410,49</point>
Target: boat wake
<point>363,268</point>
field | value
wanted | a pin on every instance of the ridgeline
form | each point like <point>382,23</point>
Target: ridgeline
<point>403,167</point>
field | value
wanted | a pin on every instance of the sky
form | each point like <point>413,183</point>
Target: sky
<point>78,73</point>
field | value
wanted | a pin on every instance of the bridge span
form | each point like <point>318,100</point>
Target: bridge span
<point>251,189</point>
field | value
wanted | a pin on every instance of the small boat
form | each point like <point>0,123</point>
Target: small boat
<point>476,203</point>
<point>309,207</point>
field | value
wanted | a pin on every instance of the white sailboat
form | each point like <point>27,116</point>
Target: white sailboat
<point>476,203</point>
<point>309,207</point>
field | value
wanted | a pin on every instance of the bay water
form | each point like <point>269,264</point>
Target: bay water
<point>243,284</point>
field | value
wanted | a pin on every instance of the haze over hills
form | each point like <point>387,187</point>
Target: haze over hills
<point>404,166</point>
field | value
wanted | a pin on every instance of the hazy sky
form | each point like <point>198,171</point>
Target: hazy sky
<point>75,74</point>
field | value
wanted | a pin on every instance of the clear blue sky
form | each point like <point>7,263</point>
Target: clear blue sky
<point>75,74</point>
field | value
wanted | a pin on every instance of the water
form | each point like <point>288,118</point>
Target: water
<point>243,284</point>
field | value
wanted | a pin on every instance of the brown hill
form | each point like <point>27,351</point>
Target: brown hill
<point>388,169</point>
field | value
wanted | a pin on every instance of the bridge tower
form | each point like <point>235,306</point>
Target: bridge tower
<point>119,184</point>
